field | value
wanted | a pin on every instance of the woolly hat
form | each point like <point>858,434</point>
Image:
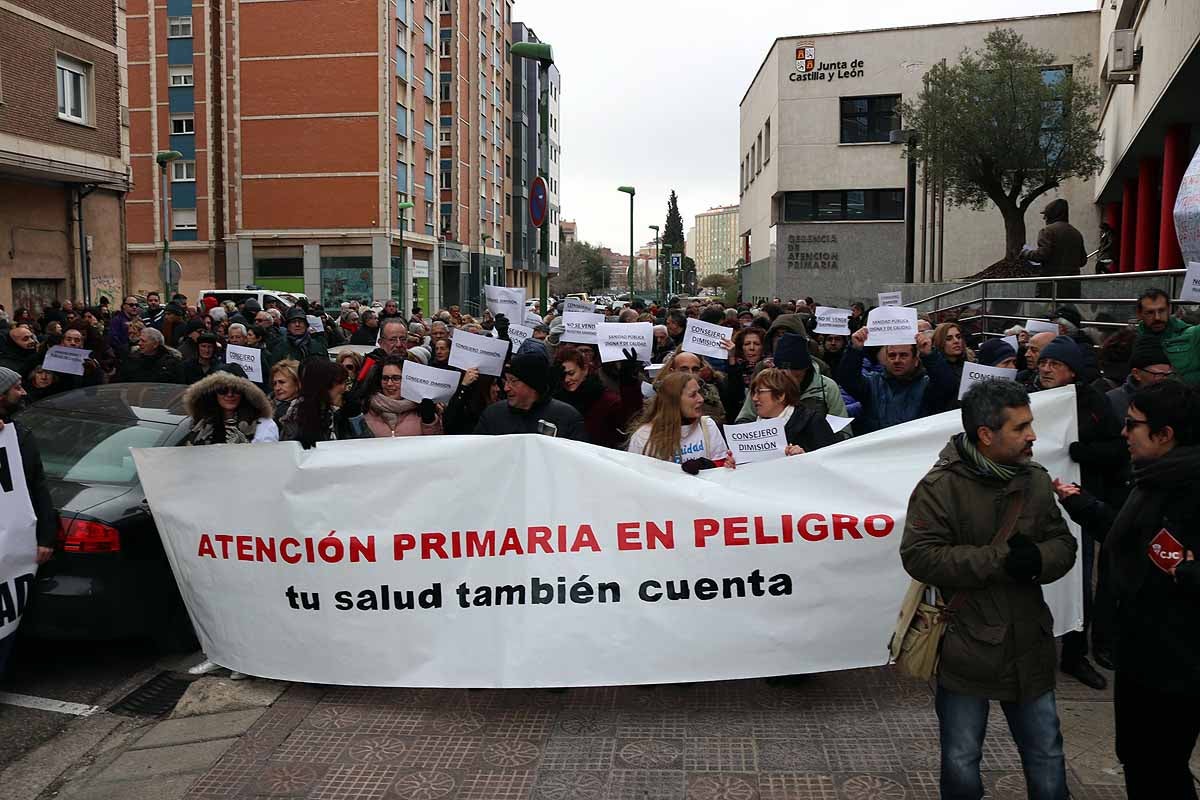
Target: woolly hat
<point>193,325</point>
<point>791,352</point>
<point>8,379</point>
<point>251,306</point>
<point>295,312</point>
<point>532,370</point>
<point>1064,349</point>
<point>534,346</point>
<point>993,351</point>
<point>1147,352</point>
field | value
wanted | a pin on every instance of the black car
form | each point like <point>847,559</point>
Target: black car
<point>109,577</point>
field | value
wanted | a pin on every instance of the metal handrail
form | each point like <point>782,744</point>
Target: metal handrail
<point>1163,273</point>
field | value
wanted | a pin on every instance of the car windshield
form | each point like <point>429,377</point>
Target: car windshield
<point>88,449</point>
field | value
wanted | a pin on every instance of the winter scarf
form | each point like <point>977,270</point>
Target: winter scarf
<point>301,343</point>
<point>981,463</point>
<point>388,411</point>
<point>233,431</point>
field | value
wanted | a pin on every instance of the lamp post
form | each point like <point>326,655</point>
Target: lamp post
<point>165,157</point>
<point>485,277</point>
<point>629,190</point>
<point>656,229</point>
<point>405,281</point>
<point>908,138</point>
<point>543,54</point>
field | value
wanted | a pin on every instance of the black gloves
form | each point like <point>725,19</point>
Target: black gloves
<point>1075,450</point>
<point>1188,574</point>
<point>1024,560</point>
<point>693,465</point>
<point>630,366</point>
<point>428,411</point>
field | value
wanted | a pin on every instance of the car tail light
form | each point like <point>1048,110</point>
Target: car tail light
<point>86,536</point>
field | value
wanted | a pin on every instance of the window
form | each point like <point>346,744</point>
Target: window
<point>444,137</point>
<point>840,205</point>
<point>180,76</point>
<point>759,162</point>
<point>1051,133</point>
<point>767,141</point>
<point>444,48</point>
<point>183,219</point>
<point>402,62</point>
<point>401,177</point>
<point>428,135</point>
<point>428,32</point>
<point>401,120</point>
<point>182,124</point>
<point>429,84</point>
<point>445,6</point>
<point>753,157</point>
<point>869,119</point>
<point>74,90</point>
<point>402,10</point>
<point>179,27</point>
<point>183,171</point>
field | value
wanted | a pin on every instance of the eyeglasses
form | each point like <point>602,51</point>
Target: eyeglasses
<point>226,391</point>
<point>1159,374</point>
<point>391,378</point>
<point>757,392</point>
<point>1131,423</point>
<point>392,339</point>
<point>693,370</point>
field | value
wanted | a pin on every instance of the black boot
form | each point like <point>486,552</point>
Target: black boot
<point>1083,671</point>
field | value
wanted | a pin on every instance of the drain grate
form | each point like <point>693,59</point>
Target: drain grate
<point>154,698</point>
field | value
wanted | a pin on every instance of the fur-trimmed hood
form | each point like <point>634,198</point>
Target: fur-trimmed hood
<point>200,399</point>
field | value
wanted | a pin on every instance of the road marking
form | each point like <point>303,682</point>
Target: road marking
<point>47,704</point>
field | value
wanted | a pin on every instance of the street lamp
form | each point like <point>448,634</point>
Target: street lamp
<point>405,280</point>
<point>629,190</point>
<point>164,157</point>
<point>908,138</point>
<point>543,54</point>
<point>654,228</point>
<point>486,278</point>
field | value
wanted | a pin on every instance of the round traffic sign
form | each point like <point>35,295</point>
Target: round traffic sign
<point>539,201</point>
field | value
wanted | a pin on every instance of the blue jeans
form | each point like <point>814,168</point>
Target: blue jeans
<point>962,721</point>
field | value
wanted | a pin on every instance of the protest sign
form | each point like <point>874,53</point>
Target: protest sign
<point>1035,326</point>
<point>482,352</point>
<point>517,334</point>
<point>838,424</point>
<point>704,339</point>
<point>18,534</point>
<point>571,304</point>
<point>1189,289</point>
<point>615,337</point>
<point>730,574</point>
<point>315,324</point>
<point>887,299</point>
<point>757,441</point>
<point>67,360</point>
<point>506,301</point>
<point>833,320</point>
<point>580,326</point>
<point>978,373</point>
<point>248,358</point>
<point>419,382</point>
<point>892,325</point>
<point>1012,342</point>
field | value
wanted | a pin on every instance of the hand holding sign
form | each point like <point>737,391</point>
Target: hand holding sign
<point>757,441</point>
<point>506,301</point>
<point>891,325</point>
<point>833,321</point>
<point>705,339</point>
<point>617,339</point>
<point>1036,326</point>
<point>888,299</point>
<point>482,352</point>
<point>1189,290</point>
<point>419,383</point>
<point>978,373</point>
<point>248,358</point>
<point>580,326</point>
<point>67,360</point>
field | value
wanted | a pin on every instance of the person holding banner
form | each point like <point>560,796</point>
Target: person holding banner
<point>316,415</point>
<point>984,528</point>
<point>475,393</point>
<point>775,395</point>
<point>605,412</point>
<point>226,407</point>
<point>673,427</point>
<point>387,414</point>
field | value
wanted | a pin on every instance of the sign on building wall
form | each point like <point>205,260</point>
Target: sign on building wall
<point>810,68</point>
<point>812,251</point>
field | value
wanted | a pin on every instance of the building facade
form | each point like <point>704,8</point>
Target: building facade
<point>715,237</point>
<point>64,151</point>
<point>823,190</point>
<point>569,232</point>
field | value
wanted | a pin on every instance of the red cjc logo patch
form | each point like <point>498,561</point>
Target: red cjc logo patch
<point>1165,551</point>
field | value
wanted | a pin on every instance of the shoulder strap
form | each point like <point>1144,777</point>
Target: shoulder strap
<point>1007,527</point>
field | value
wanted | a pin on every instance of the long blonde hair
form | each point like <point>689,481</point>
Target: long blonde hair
<point>663,416</point>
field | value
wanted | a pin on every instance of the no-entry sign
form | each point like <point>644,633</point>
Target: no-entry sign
<point>539,201</point>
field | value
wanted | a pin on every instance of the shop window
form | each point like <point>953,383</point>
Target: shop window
<point>869,119</point>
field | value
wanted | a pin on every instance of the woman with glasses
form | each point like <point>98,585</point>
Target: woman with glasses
<point>775,395</point>
<point>387,414</point>
<point>674,427</point>
<point>227,408</point>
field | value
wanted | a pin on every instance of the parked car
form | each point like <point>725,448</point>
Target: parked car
<point>109,577</point>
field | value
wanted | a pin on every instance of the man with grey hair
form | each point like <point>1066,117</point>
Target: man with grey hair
<point>236,334</point>
<point>151,362</point>
<point>984,529</point>
<point>627,315</point>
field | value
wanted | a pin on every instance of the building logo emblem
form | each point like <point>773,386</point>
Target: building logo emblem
<point>806,57</point>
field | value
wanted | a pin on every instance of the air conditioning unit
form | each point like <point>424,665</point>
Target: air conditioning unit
<point>1121,51</point>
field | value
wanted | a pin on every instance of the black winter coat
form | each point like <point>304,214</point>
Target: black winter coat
<point>161,367</point>
<point>809,429</point>
<point>500,418</point>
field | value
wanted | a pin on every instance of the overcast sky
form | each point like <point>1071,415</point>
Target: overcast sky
<point>650,91</point>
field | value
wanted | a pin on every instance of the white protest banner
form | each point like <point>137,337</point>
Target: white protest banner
<point>482,352</point>
<point>580,326</point>
<point>67,360</point>
<point>248,358</point>
<point>18,534</point>
<point>838,424</point>
<point>891,325</point>
<point>1035,326</point>
<point>1012,342</point>
<point>978,373</point>
<point>542,579</point>
<point>419,382</point>
<point>615,337</point>
<point>704,338</point>
<point>571,304</point>
<point>887,299</point>
<point>833,320</point>
<point>757,441</point>
<point>1189,290</point>
<point>517,334</point>
<point>506,301</point>
<point>315,325</point>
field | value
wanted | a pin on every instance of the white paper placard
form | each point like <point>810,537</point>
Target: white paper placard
<point>757,441</point>
<point>978,373</point>
<point>484,353</point>
<point>571,304</point>
<point>838,424</point>
<point>580,326</point>
<point>420,382</point>
<point>315,324</point>
<point>248,358</point>
<point>891,325</point>
<point>887,299</point>
<point>18,534</point>
<point>704,339</point>
<point>67,360</point>
<point>1035,326</point>
<point>613,337</point>
<point>1012,342</point>
<point>833,320</point>
<point>1190,288</point>
<point>506,301</point>
<point>517,334</point>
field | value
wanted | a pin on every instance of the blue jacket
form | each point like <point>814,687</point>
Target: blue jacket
<point>888,400</point>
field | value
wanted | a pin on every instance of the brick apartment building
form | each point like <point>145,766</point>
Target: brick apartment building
<point>64,151</point>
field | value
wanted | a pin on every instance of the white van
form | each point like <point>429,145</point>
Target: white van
<point>263,296</point>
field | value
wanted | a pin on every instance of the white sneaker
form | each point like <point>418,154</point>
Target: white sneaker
<point>234,675</point>
<point>204,667</point>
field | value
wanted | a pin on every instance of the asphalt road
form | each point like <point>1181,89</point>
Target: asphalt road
<point>76,672</point>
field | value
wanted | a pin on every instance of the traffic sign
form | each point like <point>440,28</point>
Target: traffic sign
<point>539,202</point>
<point>676,260</point>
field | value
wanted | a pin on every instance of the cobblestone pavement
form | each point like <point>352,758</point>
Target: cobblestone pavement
<point>857,735</point>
